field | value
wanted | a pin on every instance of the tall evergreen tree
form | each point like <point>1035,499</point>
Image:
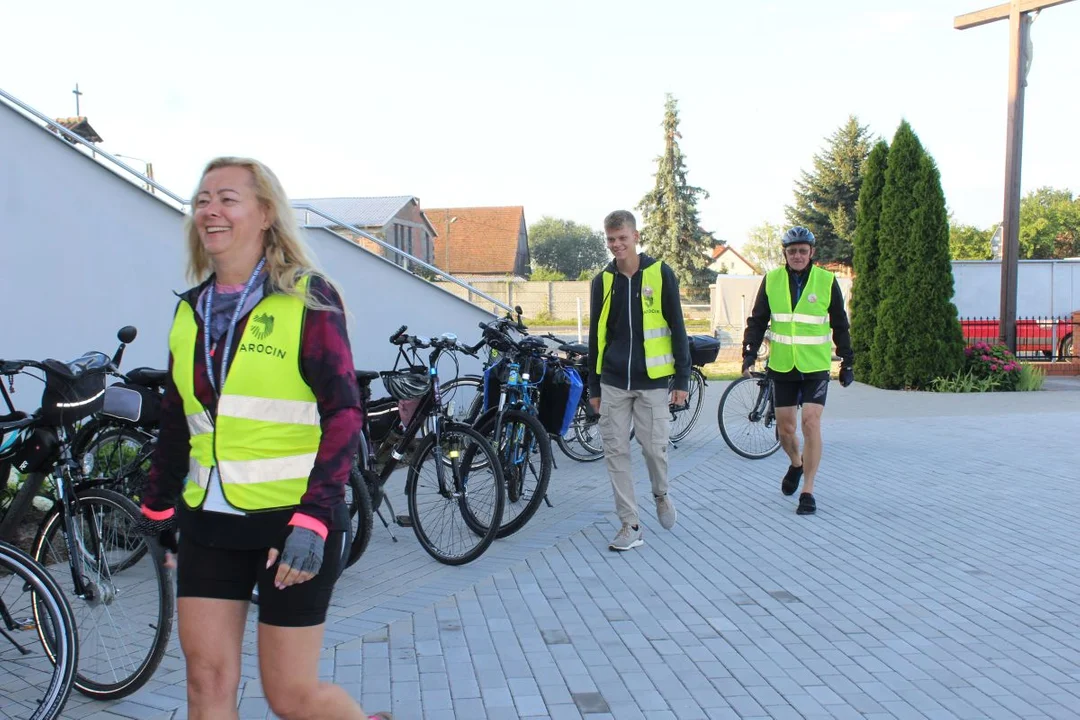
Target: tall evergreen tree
<point>917,337</point>
<point>670,230</point>
<point>865,290</point>
<point>934,345</point>
<point>825,198</point>
<point>898,204</point>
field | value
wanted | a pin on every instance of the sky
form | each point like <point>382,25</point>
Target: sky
<point>555,106</point>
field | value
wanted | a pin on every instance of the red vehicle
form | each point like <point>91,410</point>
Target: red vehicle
<point>1033,336</point>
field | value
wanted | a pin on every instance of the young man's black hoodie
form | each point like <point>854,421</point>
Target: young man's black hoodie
<point>624,352</point>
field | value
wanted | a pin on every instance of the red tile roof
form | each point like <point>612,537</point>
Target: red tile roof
<point>721,249</point>
<point>483,240</point>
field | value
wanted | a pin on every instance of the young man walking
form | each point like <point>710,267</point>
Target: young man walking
<point>640,363</point>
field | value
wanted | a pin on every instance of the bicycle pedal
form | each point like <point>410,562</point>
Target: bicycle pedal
<point>403,521</point>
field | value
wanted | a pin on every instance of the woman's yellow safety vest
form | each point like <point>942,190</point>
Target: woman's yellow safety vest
<point>659,357</point>
<point>800,337</point>
<point>267,430</point>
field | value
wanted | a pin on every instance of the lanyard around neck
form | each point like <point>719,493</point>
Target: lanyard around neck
<point>232,328</point>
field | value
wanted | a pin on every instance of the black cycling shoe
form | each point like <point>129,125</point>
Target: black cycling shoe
<point>791,480</point>
<point>807,506</point>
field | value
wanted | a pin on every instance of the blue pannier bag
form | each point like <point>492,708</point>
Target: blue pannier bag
<point>560,394</point>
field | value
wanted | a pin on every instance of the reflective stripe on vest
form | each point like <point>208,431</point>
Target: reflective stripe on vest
<point>800,336</point>
<point>656,334</point>
<point>267,429</point>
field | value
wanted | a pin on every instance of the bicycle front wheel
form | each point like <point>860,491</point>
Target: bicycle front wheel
<point>456,494</point>
<point>36,685</point>
<point>684,418</point>
<point>746,421</point>
<point>125,616</point>
<point>525,453</point>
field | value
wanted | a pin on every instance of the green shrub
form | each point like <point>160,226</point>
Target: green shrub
<point>1031,378</point>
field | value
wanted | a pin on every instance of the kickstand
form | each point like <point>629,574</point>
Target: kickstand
<point>399,520</point>
<point>386,524</point>
<point>547,501</point>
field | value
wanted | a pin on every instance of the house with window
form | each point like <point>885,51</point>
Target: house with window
<point>727,261</point>
<point>481,242</point>
<point>396,220</point>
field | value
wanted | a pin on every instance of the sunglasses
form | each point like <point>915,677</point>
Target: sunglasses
<point>797,251</point>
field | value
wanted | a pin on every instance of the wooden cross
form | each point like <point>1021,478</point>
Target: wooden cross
<point>77,94</point>
<point>1017,12</point>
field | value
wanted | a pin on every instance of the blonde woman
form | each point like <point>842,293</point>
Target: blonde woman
<point>259,421</point>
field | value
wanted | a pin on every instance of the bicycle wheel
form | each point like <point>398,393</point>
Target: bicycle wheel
<point>582,440</point>
<point>119,453</point>
<point>36,685</point>
<point>124,618</point>
<point>467,394</point>
<point>117,457</point>
<point>525,453</point>
<point>684,418</point>
<point>358,500</point>
<point>455,501</point>
<point>745,419</point>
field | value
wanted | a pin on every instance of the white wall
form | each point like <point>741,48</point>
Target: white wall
<point>1043,288</point>
<point>83,252</point>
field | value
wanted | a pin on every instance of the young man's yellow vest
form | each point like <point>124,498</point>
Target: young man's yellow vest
<point>267,431</point>
<point>659,357</point>
<point>800,337</point>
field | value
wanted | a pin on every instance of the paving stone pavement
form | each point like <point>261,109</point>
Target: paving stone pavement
<point>939,579</point>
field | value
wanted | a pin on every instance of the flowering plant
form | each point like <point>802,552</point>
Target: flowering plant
<point>984,360</point>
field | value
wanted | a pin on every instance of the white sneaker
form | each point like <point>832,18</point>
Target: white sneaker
<point>665,512</point>
<point>627,539</point>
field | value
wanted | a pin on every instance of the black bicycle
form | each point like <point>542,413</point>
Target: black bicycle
<point>36,684</point>
<point>120,592</point>
<point>455,487</point>
<point>747,417</point>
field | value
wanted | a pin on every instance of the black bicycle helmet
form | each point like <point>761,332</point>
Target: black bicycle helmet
<point>798,235</point>
<point>406,384</point>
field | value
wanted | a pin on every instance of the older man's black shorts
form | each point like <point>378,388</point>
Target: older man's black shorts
<point>790,393</point>
<point>226,574</point>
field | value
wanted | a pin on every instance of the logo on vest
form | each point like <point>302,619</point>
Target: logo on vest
<point>647,292</point>
<point>264,326</point>
<point>261,349</point>
<point>811,298</point>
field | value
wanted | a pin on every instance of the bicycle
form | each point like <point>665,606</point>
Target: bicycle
<point>512,423</point>
<point>119,441</point>
<point>452,467</point>
<point>89,529</point>
<point>747,417</point>
<point>36,685</point>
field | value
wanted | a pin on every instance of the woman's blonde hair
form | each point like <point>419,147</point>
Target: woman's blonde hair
<point>288,257</point>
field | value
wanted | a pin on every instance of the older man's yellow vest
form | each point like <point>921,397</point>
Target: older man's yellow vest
<point>267,430</point>
<point>799,336</point>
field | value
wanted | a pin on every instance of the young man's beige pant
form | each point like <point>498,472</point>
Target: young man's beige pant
<point>648,409</point>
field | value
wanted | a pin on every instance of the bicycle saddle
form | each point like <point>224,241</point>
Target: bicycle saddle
<point>150,377</point>
<point>364,377</point>
<point>574,348</point>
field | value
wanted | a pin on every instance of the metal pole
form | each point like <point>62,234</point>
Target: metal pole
<point>579,320</point>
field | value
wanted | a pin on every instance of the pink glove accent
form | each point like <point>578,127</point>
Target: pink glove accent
<point>157,514</point>
<point>306,521</point>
